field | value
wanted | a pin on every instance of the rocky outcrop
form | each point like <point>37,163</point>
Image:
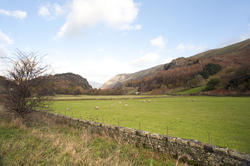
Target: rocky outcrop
<point>179,62</point>
<point>76,79</point>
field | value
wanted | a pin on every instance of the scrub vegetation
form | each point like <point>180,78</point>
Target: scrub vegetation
<point>41,141</point>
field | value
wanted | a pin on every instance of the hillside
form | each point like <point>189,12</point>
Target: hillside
<point>66,83</point>
<point>219,70</point>
<point>119,79</point>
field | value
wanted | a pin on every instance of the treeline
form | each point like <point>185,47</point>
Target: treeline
<point>49,87</point>
<point>52,88</point>
<point>196,75</point>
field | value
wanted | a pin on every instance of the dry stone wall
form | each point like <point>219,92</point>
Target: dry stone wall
<point>192,151</point>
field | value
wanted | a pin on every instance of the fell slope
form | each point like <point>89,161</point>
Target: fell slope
<point>65,83</point>
<point>232,61</point>
<point>68,83</point>
<point>119,79</point>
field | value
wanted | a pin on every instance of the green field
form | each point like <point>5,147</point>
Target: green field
<point>222,121</point>
<point>103,97</point>
<point>191,91</point>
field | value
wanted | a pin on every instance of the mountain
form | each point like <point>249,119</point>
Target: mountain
<point>65,83</point>
<point>96,85</point>
<point>119,79</point>
<point>68,83</point>
<point>71,78</point>
<point>226,68</point>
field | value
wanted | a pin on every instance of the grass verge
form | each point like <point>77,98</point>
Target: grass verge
<point>48,143</point>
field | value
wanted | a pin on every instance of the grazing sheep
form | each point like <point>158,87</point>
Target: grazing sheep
<point>96,107</point>
<point>125,105</point>
<point>67,109</point>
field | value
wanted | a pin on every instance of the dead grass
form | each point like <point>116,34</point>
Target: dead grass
<point>41,141</point>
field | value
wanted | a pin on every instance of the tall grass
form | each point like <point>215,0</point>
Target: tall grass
<point>41,141</point>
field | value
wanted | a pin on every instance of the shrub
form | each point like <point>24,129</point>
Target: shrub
<point>27,72</point>
<point>77,92</point>
<point>240,79</point>
<point>211,84</point>
<point>210,69</point>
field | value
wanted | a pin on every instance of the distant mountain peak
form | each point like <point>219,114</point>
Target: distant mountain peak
<point>96,85</point>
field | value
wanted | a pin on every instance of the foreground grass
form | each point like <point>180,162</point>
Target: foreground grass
<point>48,143</point>
<point>222,121</point>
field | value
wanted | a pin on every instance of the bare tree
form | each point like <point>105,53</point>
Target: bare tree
<point>26,75</point>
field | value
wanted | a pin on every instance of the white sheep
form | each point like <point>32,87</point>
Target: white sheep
<point>96,107</point>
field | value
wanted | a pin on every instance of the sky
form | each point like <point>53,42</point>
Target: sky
<point>101,38</point>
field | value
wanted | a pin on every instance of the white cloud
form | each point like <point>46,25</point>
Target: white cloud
<point>5,38</point>
<point>5,41</point>
<point>134,27</point>
<point>59,10</point>
<point>18,14</point>
<point>51,11</point>
<point>3,50</point>
<point>147,59</point>
<point>118,14</point>
<point>190,47</point>
<point>43,11</point>
<point>99,70</point>
<point>158,42</point>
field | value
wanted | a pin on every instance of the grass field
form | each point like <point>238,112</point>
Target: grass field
<point>222,121</point>
<point>107,97</point>
<point>44,142</point>
<point>191,91</point>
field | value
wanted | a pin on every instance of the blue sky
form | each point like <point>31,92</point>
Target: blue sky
<point>101,38</point>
